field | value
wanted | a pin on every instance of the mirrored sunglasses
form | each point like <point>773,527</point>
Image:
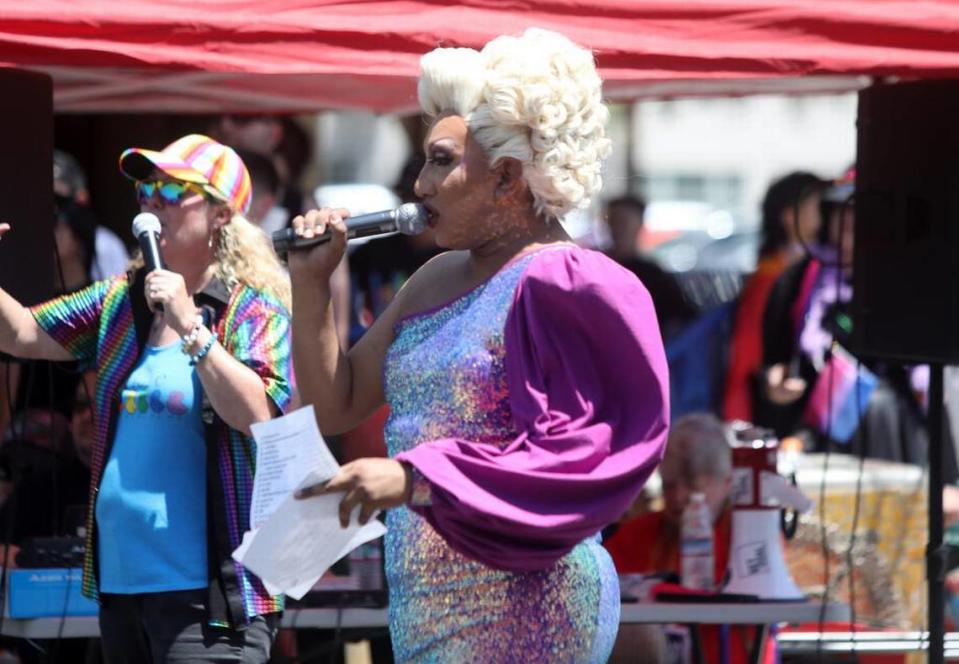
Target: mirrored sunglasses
<point>172,192</point>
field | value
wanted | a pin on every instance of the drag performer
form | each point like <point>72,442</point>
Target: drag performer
<point>526,377</point>
<point>187,358</point>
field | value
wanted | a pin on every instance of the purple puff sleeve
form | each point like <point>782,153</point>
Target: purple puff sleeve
<point>589,394</point>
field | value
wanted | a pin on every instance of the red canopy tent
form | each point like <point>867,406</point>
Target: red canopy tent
<point>291,55</point>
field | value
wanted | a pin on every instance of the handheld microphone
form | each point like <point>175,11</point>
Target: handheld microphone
<point>409,219</point>
<point>146,229</point>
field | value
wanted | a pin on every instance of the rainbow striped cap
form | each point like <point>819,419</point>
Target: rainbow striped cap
<point>195,158</point>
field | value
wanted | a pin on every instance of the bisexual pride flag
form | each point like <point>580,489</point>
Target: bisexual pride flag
<point>840,394</point>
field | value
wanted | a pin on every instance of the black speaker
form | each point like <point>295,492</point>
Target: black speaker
<point>26,184</point>
<point>906,260</point>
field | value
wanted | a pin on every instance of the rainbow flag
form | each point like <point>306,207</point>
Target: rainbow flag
<point>840,394</point>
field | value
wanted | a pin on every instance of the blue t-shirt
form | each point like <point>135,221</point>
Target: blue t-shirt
<point>151,507</point>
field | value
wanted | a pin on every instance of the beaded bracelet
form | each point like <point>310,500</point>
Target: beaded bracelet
<point>191,350</point>
<point>190,337</point>
<point>203,351</point>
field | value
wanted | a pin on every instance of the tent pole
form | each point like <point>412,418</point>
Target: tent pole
<point>935,551</point>
<point>630,150</point>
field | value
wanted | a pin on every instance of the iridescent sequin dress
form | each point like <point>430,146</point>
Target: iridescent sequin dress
<point>447,379</point>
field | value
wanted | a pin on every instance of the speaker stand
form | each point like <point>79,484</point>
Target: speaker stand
<point>936,552</point>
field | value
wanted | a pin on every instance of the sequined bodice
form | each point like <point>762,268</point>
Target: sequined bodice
<point>445,373</point>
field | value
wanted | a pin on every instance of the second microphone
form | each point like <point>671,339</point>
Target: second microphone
<point>409,219</point>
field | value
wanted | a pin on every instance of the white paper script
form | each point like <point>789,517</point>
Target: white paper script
<point>294,541</point>
<point>287,449</point>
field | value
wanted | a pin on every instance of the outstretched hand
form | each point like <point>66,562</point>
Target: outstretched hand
<point>373,484</point>
<point>3,229</point>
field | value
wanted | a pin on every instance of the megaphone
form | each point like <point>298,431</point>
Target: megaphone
<point>757,565</point>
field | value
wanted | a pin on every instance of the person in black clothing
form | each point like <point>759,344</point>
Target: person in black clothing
<point>807,316</point>
<point>624,217</point>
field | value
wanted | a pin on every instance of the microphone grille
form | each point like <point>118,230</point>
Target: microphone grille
<point>411,218</point>
<point>146,222</point>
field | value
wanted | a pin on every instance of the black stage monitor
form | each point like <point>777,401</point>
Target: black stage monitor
<point>356,581</point>
<point>26,184</point>
<point>906,264</point>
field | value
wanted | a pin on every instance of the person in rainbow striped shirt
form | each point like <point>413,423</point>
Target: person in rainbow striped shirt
<point>188,357</point>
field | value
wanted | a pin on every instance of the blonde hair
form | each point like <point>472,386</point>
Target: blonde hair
<point>244,255</point>
<point>536,98</point>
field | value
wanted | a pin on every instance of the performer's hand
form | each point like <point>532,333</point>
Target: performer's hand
<point>319,262</point>
<point>373,484</point>
<point>3,229</point>
<point>168,288</point>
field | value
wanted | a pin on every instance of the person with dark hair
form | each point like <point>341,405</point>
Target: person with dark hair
<point>627,224</point>
<point>281,139</point>
<point>790,221</point>
<point>74,234</point>
<point>292,155</point>
<point>106,254</point>
<point>624,219</point>
<point>266,187</point>
<point>38,386</point>
<point>790,213</point>
<point>380,267</point>
<point>807,350</point>
<point>255,132</point>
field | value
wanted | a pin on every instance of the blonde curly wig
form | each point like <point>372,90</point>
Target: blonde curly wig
<point>536,98</point>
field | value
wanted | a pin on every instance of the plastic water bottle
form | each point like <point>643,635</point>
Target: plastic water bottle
<point>696,545</point>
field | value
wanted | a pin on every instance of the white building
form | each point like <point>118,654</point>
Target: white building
<point>725,152</point>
